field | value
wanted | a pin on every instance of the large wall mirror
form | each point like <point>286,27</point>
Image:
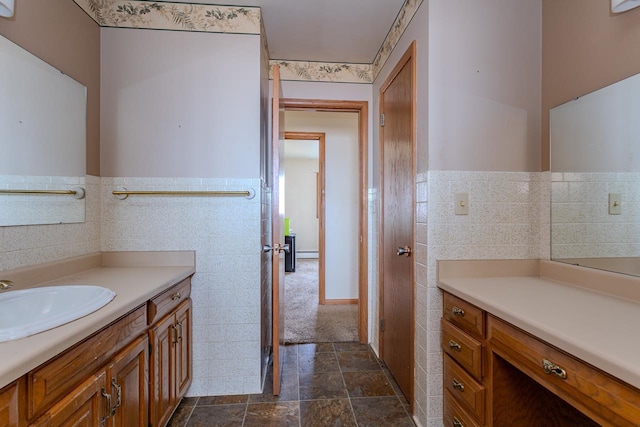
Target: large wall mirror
<point>42,141</point>
<point>595,179</point>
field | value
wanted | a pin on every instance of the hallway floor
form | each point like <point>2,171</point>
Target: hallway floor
<point>324,384</point>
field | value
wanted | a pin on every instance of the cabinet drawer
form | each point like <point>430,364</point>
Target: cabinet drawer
<point>467,317</point>
<point>463,348</point>
<point>53,380</point>
<point>467,391</point>
<point>167,301</point>
<point>454,415</point>
<point>602,397</point>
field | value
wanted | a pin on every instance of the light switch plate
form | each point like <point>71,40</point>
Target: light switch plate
<point>615,204</point>
<point>461,204</point>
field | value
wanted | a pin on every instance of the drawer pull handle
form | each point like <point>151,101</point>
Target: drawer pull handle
<point>174,335</point>
<point>454,345</point>
<point>457,311</point>
<point>107,397</point>
<point>175,296</point>
<point>551,368</point>
<point>457,422</point>
<point>118,388</point>
<point>458,385</point>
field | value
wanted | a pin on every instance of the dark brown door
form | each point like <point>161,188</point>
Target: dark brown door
<point>277,229</point>
<point>397,160</point>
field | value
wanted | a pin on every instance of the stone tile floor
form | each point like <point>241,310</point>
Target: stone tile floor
<point>324,384</point>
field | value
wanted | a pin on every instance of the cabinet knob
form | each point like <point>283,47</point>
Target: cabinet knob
<point>457,422</point>
<point>176,296</point>
<point>454,345</point>
<point>551,368</point>
<point>457,311</point>
<point>458,385</point>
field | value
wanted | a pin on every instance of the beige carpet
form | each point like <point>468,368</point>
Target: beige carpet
<point>305,319</point>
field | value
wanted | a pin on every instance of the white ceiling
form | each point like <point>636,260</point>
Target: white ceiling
<point>349,31</point>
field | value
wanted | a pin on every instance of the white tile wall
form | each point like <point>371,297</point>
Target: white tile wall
<point>508,218</point>
<point>226,233</point>
<point>373,272</point>
<point>21,246</point>
<point>582,226</point>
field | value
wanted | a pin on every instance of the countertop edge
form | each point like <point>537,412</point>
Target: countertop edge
<point>613,367</point>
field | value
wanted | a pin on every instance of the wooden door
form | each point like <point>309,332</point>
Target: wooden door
<point>397,152</point>
<point>161,367</point>
<point>84,406</point>
<point>183,349</point>
<point>13,404</point>
<point>277,229</point>
<point>129,385</point>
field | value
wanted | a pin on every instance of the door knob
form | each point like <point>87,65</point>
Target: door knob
<point>277,248</point>
<point>406,251</point>
<point>285,248</point>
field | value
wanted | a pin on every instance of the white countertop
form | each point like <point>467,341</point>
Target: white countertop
<point>599,329</point>
<point>133,287</point>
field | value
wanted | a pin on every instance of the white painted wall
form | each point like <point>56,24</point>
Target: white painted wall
<point>172,107</point>
<point>484,85</point>
<point>341,196</point>
<point>301,200</point>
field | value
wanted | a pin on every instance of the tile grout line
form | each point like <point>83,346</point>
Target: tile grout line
<point>344,383</point>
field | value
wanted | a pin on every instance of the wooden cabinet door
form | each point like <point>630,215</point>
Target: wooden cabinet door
<point>183,349</point>
<point>85,406</point>
<point>162,365</point>
<point>12,404</point>
<point>128,382</point>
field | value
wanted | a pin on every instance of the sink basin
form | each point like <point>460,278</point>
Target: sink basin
<point>30,311</point>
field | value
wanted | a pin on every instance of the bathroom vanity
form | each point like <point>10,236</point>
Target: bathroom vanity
<point>126,364</point>
<point>539,343</point>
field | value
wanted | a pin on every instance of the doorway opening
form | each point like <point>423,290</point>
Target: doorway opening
<point>360,237</point>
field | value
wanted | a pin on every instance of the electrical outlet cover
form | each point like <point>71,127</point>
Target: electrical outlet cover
<point>461,204</point>
<point>615,204</point>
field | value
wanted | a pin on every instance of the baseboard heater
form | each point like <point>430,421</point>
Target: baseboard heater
<point>307,254</point>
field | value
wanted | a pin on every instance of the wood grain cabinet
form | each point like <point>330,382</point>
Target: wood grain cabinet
<point>170,338</point>
<point>12,404</point>
<point>463,332</point>
<point>498,375</point>
<point>110,378</point>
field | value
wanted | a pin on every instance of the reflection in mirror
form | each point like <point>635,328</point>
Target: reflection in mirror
<point>595,179</point>
<point>42,140</point>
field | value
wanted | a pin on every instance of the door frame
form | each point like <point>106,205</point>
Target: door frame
<point>320,137</point>
<point>362,108</point>
<point>408,56</point>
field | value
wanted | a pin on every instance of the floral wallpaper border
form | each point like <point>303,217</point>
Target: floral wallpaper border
<point>408,10</point>
<point>173,16</point>
<point>323,71</point>
<point>242,20</point>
